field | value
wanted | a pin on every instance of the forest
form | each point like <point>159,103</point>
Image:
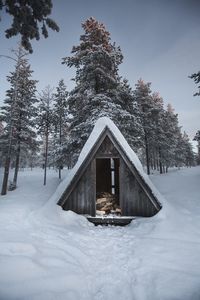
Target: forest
<point>49,128</point>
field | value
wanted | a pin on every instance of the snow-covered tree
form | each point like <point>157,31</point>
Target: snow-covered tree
<point>158,140</point>
<point>188,150</point>
<point>164,144</point>
<point>143,97</point>
<point>45,122</point>
<point>172,136</point>
<point>18,114</point>
<point>184,155</point>
<point>1,150</point>
<point>1,128</point>
<point>99,90</point>
<point>178,150</point>
<point>60,130</point>
<point>197,138</point>
<point>131,126</point>
<point>27,15</point>
<point>196,78</point>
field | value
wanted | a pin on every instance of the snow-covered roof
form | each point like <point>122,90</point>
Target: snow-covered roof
<point>101,125</point>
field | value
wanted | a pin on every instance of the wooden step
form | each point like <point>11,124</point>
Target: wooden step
<point>120,221</point>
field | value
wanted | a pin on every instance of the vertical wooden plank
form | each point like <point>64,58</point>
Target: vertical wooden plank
<point>128,191</point>
<point>87,191</point>
<point>74,204</point>
<point>80,196</point>
<point>148,208</point>
<point>93,187</point>
<point>85,196</point>
<point>121,186</point>
<point>141,205</point>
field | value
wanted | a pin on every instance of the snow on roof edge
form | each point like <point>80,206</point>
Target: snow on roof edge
<point>99,127</point>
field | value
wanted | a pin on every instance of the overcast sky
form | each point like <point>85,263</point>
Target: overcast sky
<point>160,41</point>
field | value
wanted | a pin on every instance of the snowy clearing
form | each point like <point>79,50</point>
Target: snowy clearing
<point>46,253</point>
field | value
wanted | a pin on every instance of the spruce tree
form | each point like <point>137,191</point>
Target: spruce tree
<point>173,137</point>
<point>158,140</point>
<point>1,150</point>
<point>196,78</point>
<point>98,91</point>
<point>27,15</point>
<point>131,128</point>
<point>60,124</point>
<point>45,122</point>
<point>143,97</point>
<point>197,138</point>
<point>188,150</point>
<point>18,114</point>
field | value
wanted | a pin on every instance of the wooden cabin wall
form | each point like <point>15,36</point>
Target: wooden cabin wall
<point>133,200</point>
<point>107,149</point>
<point>82,199</point>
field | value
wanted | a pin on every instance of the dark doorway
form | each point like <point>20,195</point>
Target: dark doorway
<point>107,186</point>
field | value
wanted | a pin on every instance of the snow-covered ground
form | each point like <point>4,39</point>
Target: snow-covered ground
<point>49,254</point>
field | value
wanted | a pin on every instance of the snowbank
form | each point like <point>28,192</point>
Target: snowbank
<point>52,254</point>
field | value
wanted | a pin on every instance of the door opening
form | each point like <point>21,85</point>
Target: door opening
<point>107,186</point>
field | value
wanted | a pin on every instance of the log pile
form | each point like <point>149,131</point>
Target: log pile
<point>106,204</point>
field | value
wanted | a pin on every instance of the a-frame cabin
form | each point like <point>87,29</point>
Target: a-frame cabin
<point>108,179</point>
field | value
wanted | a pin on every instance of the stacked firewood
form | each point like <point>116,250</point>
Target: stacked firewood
<point>107,203</point>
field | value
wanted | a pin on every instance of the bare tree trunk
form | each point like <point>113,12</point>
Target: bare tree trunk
<point>16,165</point>
<point>8,156</point>
<point>6,174</point>
<point>160,161</point>
<point>157,162</point>
<point>46,155</point>
<point>60,137</point>
<point>154,159</point>
<point>31,163</point>
<point>147,153</point>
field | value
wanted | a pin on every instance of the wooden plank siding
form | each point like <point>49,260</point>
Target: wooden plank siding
<point>82,198</point>
<point>136,197</point>
<point>133,200</point>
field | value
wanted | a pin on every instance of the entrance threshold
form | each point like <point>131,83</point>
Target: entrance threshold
<point>109,220</point>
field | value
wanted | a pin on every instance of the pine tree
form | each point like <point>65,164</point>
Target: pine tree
<point>18,114</point>
<point>197,138</point>
<point>131,125</point>
<point>188,151</point>
<point>27,15</point>
<point>60,122</point>
<point>24,113</point>
<point>173,137</point>
<point>1,150</point>
<point>143,97</point>
<point>98,91</point>
<point>158,140</point>
<point>184,155</point>
<point>1,128</point>
<point>45,122</point>
<point>165,146</point>
<point>27,112</point>
<point>196,78</point>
